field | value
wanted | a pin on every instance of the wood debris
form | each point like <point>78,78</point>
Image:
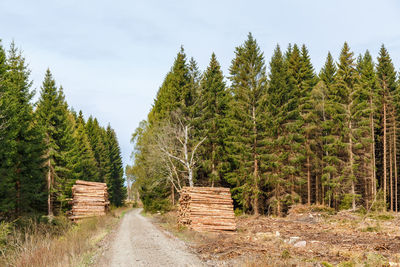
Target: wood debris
<point>89,199</point>
<point>206,209</point>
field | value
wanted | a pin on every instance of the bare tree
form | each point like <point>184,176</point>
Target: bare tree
<point>178,149</point>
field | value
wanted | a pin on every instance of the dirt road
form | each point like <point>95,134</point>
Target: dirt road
<point>139,243</point>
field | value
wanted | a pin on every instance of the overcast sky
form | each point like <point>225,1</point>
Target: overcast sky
<point>111,56</point>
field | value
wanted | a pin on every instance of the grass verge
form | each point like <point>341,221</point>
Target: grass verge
<point>36,242</point>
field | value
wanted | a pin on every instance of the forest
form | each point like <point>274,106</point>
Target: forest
<point>276,133</point>
<point>46,146</point>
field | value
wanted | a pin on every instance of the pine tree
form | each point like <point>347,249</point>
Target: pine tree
<point>248,77</point>
<point>212,123</point>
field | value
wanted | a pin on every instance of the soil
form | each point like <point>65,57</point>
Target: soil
<point>334,239</point>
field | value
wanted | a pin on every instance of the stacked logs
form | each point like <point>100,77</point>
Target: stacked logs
<point>206,209</point>
<point>89,199</point>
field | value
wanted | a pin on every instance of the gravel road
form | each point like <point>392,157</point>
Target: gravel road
<point>139,243</point>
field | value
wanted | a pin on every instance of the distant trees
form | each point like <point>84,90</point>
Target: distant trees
<point>45,149</point>
<point>280,136</point>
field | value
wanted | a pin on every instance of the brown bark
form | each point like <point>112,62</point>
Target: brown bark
<point>395,160</point>
<point>49,188</point>
<point>351,161</point>
<point>308,181</point>
<point>373,164</point>
<point>391,173</point>
<point>255,174</point>
<point>384,154</point>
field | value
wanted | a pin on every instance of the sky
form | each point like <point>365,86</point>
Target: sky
<point>112,56</point>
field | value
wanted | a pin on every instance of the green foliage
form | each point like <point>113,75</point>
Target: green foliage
<point>115,182</point>
<point>279,139</point>
<point>44,151</point>
<point>22,187</point>
<point>246,125</point>
<point>212,123</point>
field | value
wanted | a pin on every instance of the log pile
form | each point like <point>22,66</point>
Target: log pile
<point>89,199</point>
<point>206,209</point>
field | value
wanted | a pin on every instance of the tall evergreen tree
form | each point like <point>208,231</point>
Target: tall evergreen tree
<point>386,75</point>
<point>366,115</point>
<point>94,133</point>
<point>50,115</point>
<point>175,92</point>
<point>349,102</point>
<point>115,183</point>
<point>330,134</point>
<point>85,167</point>
<point>248,77</point>
<point>22,163</point>
<point>212,122</point>
<point>275,156</point>
<point>310,123</point>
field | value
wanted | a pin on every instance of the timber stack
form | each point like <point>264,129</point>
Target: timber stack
<point>89,199</point>
<point>206,209</point>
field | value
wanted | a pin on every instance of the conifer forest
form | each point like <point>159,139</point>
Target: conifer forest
<point>277,132</point>
<point>45,146</point>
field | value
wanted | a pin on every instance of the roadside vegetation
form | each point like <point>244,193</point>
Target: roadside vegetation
<point>36,242</point>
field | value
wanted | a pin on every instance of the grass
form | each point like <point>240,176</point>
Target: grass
<point>32,242</point>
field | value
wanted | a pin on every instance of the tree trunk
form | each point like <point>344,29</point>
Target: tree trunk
<point>190,171</point>
<point>49,188</point>
<point>317,197</point>
<point>395,161</point>
<point>373,164</point>
<point>391,173</point>
<point>308,181</point>
<point>384,155</point>
<point>213,171</point>
<point>255,174</point>
<point>353,192</point>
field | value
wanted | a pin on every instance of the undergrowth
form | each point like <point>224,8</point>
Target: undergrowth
<point>36,241</point>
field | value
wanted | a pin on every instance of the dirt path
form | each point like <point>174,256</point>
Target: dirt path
<point>139,243</point>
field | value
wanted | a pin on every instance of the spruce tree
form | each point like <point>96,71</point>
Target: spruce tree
<point>276,155</point>
<point>115,183</point>
<point>387,93</point>
<point>22,163</point>
<point>248,77</point>
<point>349,105</point>
<point>367,92</point>
<point>49,113</point>
<point>94,133</point>
<point>212,122</point>
<point>310,121</point>
<point>174,94</point>
<point>330,133</point>
<point>85,165</point>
